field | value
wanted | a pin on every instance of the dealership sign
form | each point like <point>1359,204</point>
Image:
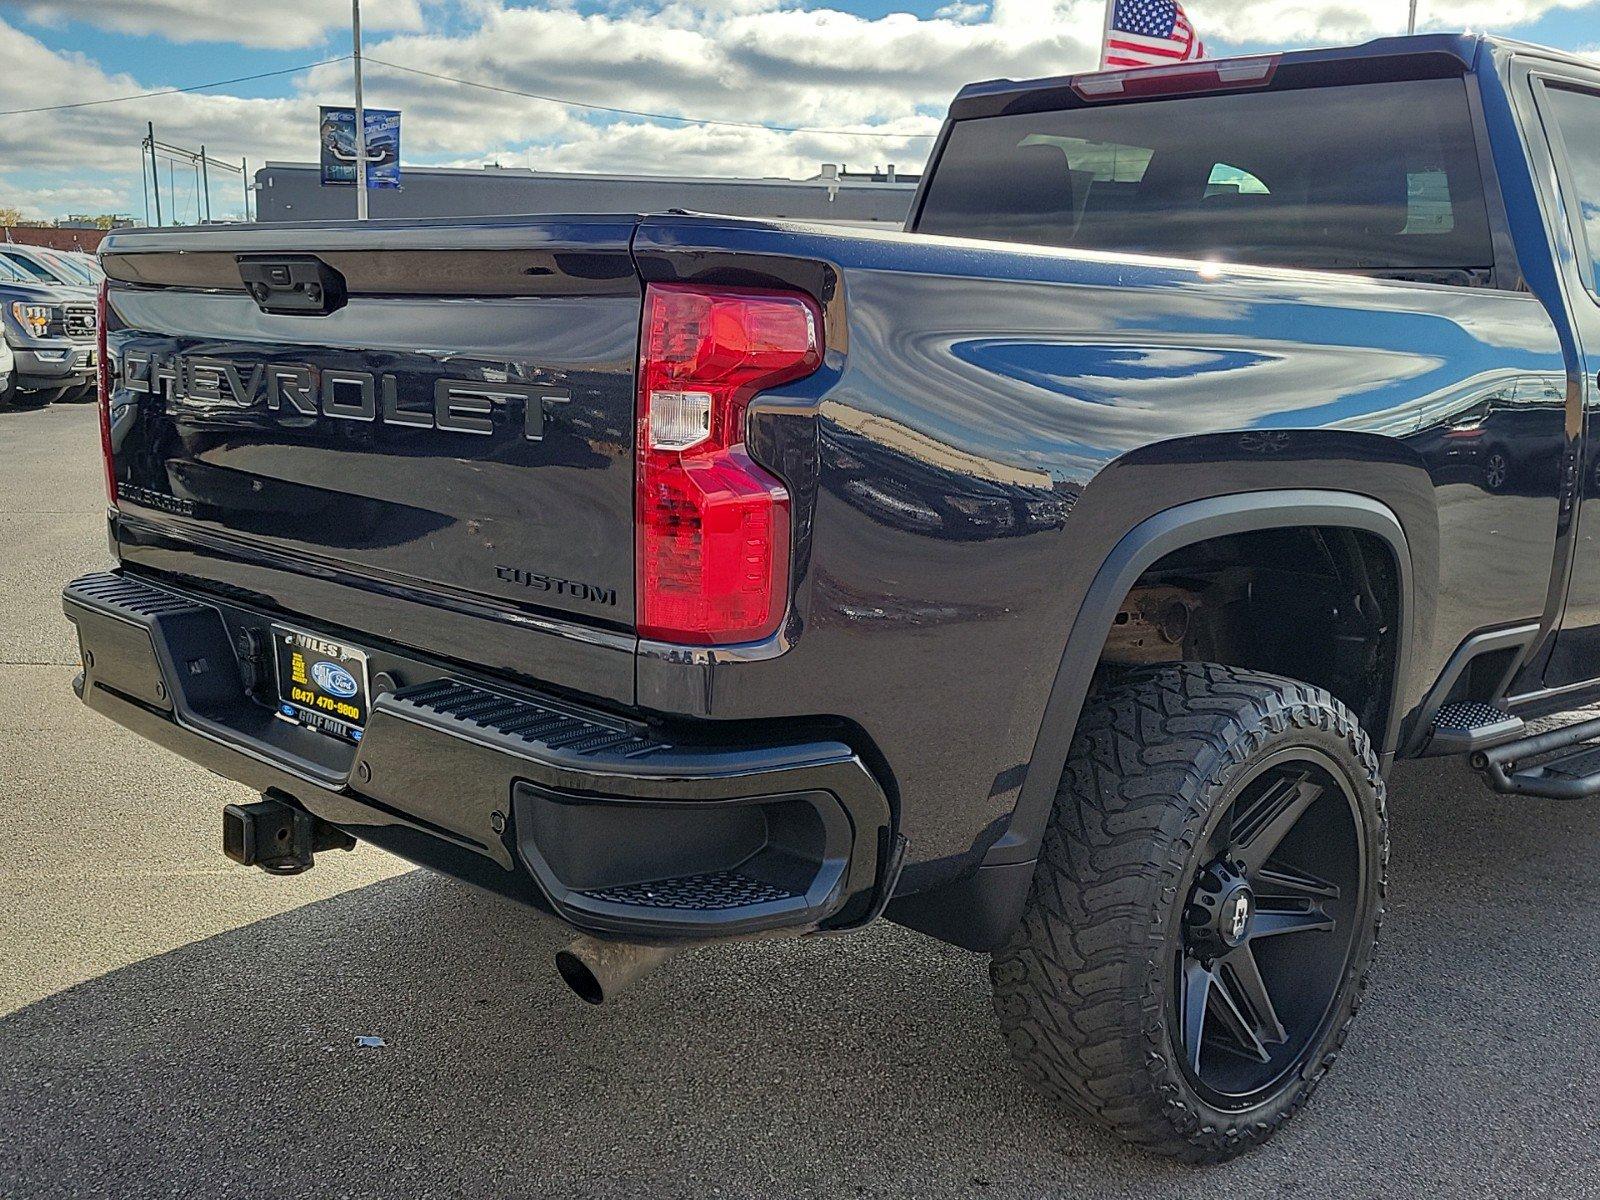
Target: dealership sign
<point>338,137</point>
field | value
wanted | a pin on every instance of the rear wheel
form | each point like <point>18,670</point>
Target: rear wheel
<point>1205,909</point>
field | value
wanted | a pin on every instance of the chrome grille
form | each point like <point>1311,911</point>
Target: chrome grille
<point>78,320</point>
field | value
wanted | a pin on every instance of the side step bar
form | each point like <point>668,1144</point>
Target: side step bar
<point>1573,776</point>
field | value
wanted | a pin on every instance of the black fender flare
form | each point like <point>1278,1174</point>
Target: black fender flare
<point>1145,544</point>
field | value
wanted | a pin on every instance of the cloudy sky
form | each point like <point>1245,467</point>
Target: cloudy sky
<point>882,68</point>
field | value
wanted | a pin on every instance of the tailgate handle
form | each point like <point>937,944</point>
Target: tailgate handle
<point>292,284</point>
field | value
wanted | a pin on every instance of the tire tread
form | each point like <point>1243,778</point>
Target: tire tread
<point>1079,989</point>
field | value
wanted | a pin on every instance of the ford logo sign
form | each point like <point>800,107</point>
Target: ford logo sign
<point>334,679</point>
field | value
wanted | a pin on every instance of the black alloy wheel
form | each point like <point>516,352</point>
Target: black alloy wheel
<point>1268,928</point>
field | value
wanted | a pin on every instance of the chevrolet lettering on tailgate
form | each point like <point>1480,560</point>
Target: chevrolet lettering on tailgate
<point>298,391</point>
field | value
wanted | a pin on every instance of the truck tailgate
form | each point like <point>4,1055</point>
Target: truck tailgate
<point>459,429</point>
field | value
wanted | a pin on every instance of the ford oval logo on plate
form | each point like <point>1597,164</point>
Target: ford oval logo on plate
<point>334,679</point>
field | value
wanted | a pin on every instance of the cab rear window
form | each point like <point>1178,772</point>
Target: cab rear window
<point>1379,178</point>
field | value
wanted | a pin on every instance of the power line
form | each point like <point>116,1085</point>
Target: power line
<point>194,87</point>
<point>473,83</point>
<point>635,112</point>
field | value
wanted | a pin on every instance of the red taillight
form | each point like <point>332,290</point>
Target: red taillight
<point>103,379</point>
<point>712,526</point>
<point>1181,79</point>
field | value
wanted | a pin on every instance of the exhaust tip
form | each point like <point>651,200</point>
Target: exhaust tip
<point>598,972</point>
<point>577,976</point>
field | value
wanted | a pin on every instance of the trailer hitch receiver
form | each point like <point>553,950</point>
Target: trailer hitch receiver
<point>278,837</point>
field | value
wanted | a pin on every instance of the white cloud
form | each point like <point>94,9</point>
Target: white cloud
<point>280,24</point>
<point>94,138</point>
<point>641,148</point>
<point>1330,22</point>
<point>49,202</point>
<point>97,149</point>
<point>811,67</point>
<point>961,10</point>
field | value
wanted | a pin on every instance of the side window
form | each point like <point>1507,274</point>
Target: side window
<point>1577,116</point>
<point>27,269</point>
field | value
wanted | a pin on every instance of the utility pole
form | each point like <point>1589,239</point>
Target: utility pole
<point>205,182</point>
<point>361,114</point>
<point>155,173</point>
<point>244,174</point>
<point>1412,28</point>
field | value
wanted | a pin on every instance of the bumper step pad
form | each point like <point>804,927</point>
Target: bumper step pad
<point>528,721</point>
<point>702,893</point>
<point>118,594</point>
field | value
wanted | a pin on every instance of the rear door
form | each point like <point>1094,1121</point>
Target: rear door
<point>460,428</point>
<point>1568,102</point>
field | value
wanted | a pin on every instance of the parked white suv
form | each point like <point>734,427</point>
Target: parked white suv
<point>8,371</point>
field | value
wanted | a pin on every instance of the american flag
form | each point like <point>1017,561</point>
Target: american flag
<point>1148,33</point>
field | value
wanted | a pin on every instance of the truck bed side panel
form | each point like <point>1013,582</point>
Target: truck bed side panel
<point>1001,417</point>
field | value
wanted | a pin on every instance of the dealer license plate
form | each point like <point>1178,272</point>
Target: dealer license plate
<point>321,684</point>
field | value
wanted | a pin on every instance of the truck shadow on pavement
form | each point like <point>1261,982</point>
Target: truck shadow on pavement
<point>866,1066</point>
<point>10,408</point>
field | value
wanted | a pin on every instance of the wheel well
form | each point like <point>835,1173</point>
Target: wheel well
<point>1315,603</point>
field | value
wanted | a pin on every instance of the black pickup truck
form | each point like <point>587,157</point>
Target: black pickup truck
<point>1059,576</point>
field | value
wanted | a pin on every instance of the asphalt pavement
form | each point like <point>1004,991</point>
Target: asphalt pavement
<point>171,1025</point>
